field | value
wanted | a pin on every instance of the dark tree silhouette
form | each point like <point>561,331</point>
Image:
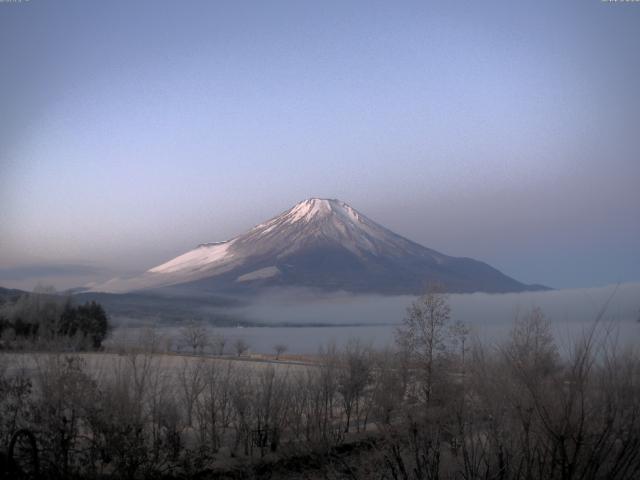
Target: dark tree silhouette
<point>90,320</point>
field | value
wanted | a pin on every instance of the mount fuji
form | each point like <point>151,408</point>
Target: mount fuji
<point>319,243</point>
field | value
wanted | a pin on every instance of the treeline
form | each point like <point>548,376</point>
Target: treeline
<point>44,319</point>
<point>441,405</point>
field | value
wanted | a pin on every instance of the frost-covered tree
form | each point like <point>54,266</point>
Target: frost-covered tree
<point>424,333</point>
<point>531,348</point>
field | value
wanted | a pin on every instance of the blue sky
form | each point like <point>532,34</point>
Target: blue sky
<point>502,131</point>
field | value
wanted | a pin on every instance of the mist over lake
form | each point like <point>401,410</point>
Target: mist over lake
<point>305,320</point>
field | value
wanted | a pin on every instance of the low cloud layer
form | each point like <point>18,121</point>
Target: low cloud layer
<point>61,276</point>
<point>571,312</point>
<point>46,271</point>
<point>575,305</point>
<point>305,320</point>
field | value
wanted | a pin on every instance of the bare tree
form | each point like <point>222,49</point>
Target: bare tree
<point>191,381</point>
<point>323,388</point>
<point>388,386</point>
<point>270,408</point>
<point>219,342</point>
<point>424,332</point>
<point>353,378</point>
<point>532,348</point>
<point>459,335</point>
<point>214,407</point>
<point>280,348</point>
<point>242,400</point>
<point>195,336</point>
<point>241,347</point>
<point>150,339</point>
<point>67,391</point>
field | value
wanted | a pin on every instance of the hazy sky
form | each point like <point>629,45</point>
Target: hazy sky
<point>504,131</point>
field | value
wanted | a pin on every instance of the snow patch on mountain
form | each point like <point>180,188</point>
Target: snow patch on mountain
<point>203,256</point>
<point>260,274</point>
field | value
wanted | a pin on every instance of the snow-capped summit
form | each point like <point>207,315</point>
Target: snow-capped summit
<point>322,243</point>
<point>312,208</point>
<point>324,222</point>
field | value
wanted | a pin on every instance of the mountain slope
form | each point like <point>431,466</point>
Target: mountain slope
<point>319,243</point>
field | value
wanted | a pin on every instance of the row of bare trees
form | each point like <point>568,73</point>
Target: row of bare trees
<point>195,338</point>
<point>145,415</point>
<point>518,410</point>
<point>439,405</point>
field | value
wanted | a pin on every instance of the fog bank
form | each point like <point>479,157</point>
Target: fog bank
<point>373,319</point>
<point>576,305</point>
